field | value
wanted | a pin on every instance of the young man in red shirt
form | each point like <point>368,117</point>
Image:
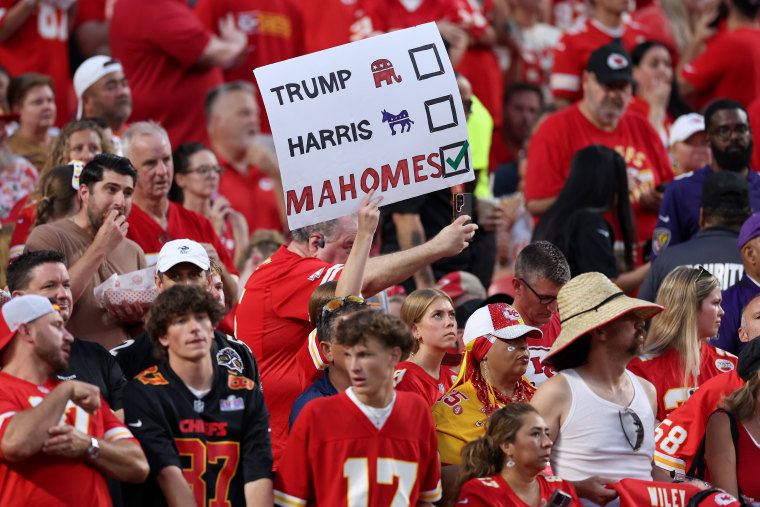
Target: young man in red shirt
<point>358,445</point>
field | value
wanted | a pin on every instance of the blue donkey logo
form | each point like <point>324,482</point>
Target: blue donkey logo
<point>398,119</point>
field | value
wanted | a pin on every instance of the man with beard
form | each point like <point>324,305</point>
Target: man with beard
<point>600,415</point>
<point>95,246</point>
<point>729,136</point>
<point>600,118</point>
<point>58,439</point>
<point>723,210</point>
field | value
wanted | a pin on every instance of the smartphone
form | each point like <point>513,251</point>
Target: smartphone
<point>462,205</point>
<point>559,499</point>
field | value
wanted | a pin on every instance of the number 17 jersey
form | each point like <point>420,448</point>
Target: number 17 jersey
<point>336,457</point>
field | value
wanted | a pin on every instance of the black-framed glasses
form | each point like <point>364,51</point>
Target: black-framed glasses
<point>724,131</point>
<point>336,303</point>
<point>633,428</point>
<point>203,170</point>
<point>544,300</point>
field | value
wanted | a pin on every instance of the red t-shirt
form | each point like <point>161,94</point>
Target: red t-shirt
<point>273,320</point>
<point>573,50</point>
<point>330,23</point>
<point>677,438</point>
<point>93,10</point>
<point>728,68</point>
<point>499,153</point>
<point>51,480</point>
<point>41,45</point>
<point>310,360</point>
<point>636,493</point>
<point>335,451</point>
<point>274,29</point>
<point>410,377</point>
<point>494,491</point>
<point>754,121</point>
<point>565,132</point>
<point>251,195</point>
<point>182,223</point>
<point>158,43</point>
<point>666,373</point>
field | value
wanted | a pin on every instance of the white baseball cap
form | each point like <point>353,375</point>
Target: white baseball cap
<point>181,250</point>
<point>22,310</point>
<point>89,72</point>
<point>497,320</point>
<point>685,126</point>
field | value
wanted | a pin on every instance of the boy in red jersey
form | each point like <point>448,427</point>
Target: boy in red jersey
<point>358,445</point>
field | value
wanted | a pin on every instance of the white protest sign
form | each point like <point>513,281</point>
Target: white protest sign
<point>383,113</point>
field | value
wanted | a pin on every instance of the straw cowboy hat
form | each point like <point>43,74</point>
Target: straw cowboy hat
<point>591,300</point>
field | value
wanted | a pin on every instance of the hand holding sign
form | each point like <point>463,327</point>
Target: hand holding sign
<point>380,114</point>
<point>369,213</point>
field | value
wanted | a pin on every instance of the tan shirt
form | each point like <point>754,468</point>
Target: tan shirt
<point>89,321</point>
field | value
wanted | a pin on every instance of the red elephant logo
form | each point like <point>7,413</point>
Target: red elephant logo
<point>383,71</point>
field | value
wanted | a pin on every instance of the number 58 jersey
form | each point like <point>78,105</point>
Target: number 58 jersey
<point>336,457</point>
<point>220,441</point>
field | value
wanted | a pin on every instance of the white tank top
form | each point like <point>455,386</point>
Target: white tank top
<point>591,441</point>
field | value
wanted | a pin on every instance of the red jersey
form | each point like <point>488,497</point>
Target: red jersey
<point>566,13</point>
<point>182,223</point>
<point>40,44</point>
<point>335,451</point>
<point>52,480</point>
<point>538,372</point>
<point>273,320</point>
<point>726,56</point>
<point>494,491</point>
<point>159,52</point>
<point>252,196</point>
<point>310,360</point>
<point>330,23</point>
<point>677,438</point>
<point>393,15</point>
<point>412,378</point>
<point>666,373</point>
<point>565,132</point>
<point>274,29</point>
<point>638,493</point>
<point>573,50</point>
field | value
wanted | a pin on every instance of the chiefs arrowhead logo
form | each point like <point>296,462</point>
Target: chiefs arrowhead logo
<point>616,61</point>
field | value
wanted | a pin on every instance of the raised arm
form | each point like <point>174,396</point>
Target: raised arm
<point>352,275</point>
<point>394,268</point>
<point>27,430</point>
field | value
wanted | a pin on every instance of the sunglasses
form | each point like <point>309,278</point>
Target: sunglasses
<point>633,428</point>
<point>336,303</point>
<point>544,300</point>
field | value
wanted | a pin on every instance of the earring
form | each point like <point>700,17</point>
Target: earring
<point>510,463</point>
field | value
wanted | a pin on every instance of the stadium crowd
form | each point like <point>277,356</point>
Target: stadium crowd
<point>586,337</point>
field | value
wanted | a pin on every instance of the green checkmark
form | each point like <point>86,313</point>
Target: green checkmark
<point>455,163</point>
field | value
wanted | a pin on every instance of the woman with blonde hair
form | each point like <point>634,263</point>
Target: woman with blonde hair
<point>430,315</point>
<point>503,467</point>
<point>677,357</point>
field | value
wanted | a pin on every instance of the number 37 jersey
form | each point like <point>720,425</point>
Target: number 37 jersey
<point>220,441</point>
<point>336,457</point>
